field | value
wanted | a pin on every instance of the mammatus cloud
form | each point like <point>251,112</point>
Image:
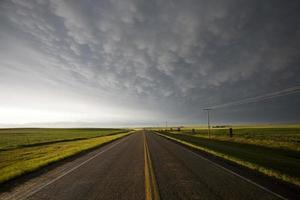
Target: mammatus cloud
<point>146,61</point>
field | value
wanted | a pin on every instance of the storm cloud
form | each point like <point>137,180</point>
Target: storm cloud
<point>144,62</point>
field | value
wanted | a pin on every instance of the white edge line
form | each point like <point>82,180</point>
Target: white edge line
<point>234,173</point>
<point>32,192</point>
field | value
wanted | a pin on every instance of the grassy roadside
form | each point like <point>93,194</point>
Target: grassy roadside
<point>279,163</point>
<point>18,161</point>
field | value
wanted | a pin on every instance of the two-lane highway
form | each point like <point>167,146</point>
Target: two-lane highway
<point>141,166</point>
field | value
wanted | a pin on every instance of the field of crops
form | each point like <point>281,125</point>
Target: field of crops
<point>20,137</point>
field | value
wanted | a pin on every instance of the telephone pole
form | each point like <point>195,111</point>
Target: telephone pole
<point>208,120</point>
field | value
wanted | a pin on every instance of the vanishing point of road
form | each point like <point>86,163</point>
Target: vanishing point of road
<point>140,166</point>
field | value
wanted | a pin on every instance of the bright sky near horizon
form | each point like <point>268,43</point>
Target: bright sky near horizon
<point>132,62</point>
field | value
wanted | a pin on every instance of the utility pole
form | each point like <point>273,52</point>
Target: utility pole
<point>208,120</point>
<point>166,125</point>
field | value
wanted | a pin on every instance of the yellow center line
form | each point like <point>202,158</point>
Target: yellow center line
<point>151,188</point>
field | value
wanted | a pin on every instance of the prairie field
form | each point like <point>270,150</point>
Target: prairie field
<point>21,137</point>
<point>277,136</point>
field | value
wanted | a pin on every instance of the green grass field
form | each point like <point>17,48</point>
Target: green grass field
<point>273,151</point>
<point>18,156</point>
<point>276,136</point>
<point>20,137</point>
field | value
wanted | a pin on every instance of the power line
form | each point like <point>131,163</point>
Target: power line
<point>287,91</point>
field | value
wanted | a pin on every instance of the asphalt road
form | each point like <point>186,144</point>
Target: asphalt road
<point>140,166</point>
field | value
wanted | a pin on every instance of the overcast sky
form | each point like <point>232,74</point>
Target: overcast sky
<point>142,62</point>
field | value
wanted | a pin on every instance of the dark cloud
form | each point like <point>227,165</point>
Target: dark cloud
<point>161,59</point>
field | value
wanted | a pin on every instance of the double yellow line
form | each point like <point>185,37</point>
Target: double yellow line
<point>151,188</point>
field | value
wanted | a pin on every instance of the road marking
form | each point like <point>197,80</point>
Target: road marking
<point>35,190</point>
<point>225,169</point>
<point>151,188</point>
